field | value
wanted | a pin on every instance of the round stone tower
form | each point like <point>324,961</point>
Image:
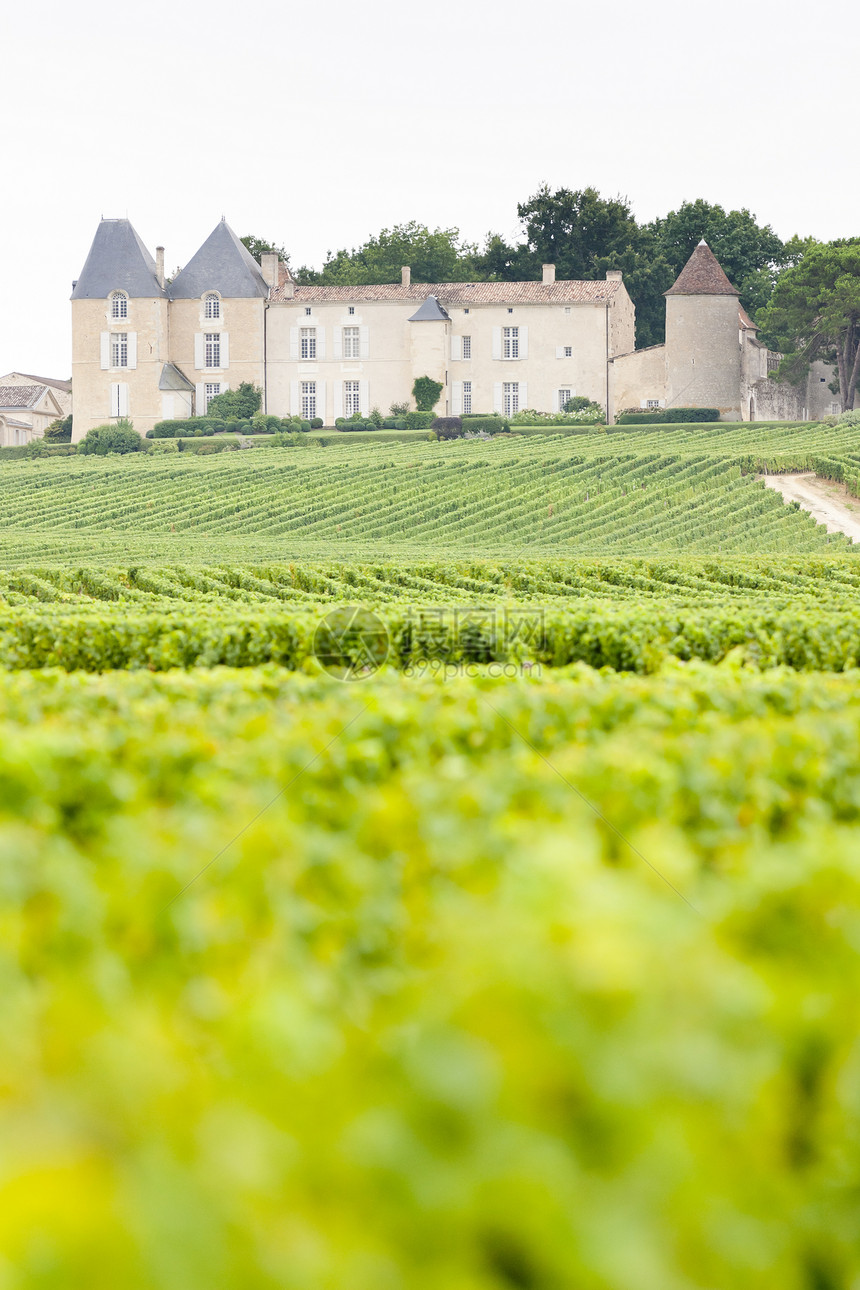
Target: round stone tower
<point>703,353</point>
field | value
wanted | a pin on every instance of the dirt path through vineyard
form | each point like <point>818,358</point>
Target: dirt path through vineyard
<point>827,502</point>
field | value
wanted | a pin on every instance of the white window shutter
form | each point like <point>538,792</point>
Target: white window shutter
<point>662,403</point>
<point>456,348</point>
<point>497,342</point>
<point>294,342</point>
<point>199,398</point>
<point>132,349</point>
<point>364,397</point>
<point>225,349</point>
<point>199,351</point>
<point>643,403</point>
<point>105,350</point>
<point>364,342</point>
<point>167,413</point>
<point>559,351</point>
<point>337,393</point>
<point>456,398</point>
<point>320,342</point>
<point>498,402</point>
<point>114,399</point>
<point>524,394</point>
<point>295,400</point>
<point>337,342</point>
<point>321,399</point>
<point>524,342</point>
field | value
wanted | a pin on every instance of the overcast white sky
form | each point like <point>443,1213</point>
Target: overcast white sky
<point>317,125</point>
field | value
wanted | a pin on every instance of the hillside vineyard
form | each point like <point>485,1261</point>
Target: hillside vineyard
<point>507,939</point>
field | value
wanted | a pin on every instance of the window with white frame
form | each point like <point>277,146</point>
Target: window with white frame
<point>212,305</point>
<point>510,342</point>
<point>119,349</point>
<point>568,351</point>
<point>511,392</point>
<point>309,400</point>
<point>309,342</point>
<point>307,311</point>
<point>467,398</point>
<point>351,397</point>
<point>564,397</point>
<point>351,309</point>
<point>567,309</point>
<point>351,342</point>
<point>211,390</point>
<point>118,304</point>
<point>467,346</point>
<point>212,341</point>
<point>652,403</point>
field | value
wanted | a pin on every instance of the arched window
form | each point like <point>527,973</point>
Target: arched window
<point>213,305</point>
<point>118,304</point>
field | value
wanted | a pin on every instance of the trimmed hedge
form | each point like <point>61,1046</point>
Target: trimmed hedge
<point>484,424</point>
<point>420,420</point>
<point>666,416</point>
<point>448,427</point>
<point>205,427</point>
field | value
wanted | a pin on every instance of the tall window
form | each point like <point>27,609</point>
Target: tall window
<point>510,342</point>
<point>212,306</point>
<point>309,342</point>
<point>351,343</point>
<point>213,349</point>
<point>511,391</point>
<point>467,398</point>
<point>652,403</point>
<point>118,305</point>
<point>119,349</point>
<point>351,397</point>
<point>564,396</point>
<point>467,346</point>
<point>212,390</point>
<point>309,400</point>
<point>351,309</point>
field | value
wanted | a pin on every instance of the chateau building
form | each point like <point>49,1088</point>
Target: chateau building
<point>28,405</point>
<point>154,350</point>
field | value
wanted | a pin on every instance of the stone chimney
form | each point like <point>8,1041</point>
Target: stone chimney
<point>159,265</point>
<point>269,267</point>
<point>614,275</point>
<point>406,276</point>
<point>548,274</point>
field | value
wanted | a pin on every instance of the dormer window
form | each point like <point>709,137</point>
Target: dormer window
<point>212,305</point>
<point>118,304</point>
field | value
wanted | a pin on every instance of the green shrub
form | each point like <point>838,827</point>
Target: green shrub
<point>398,409</point>
<point>448,427</point>
<point>485,424</point>
<point>242,402</point>
<point>421,420</point>
<point>119,437</point>
<point>666,416</point>
<point>185,427</point>
<point>59,431</point>
<point>426,393</point>
<point>317,423</point>
<point>587,413</point>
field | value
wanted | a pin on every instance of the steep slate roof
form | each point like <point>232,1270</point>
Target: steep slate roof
<point>118,260</point>
<point>222,264</point>
<point>457,293</point>
<point>702,275</point>
<point>21,396</point>
<point>172,379</point>
<point>430,311</point>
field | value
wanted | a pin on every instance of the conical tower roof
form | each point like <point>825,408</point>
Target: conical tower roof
<point>118,260</point>
<point>702,275</point>
<point>222,264</point>
<point>430,311</point>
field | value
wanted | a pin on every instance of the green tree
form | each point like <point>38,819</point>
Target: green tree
<point>426,393</point>
<point>583,235</point>
<point>437,256</point>
<point>239,404</point>
<point>258,247</point>
<point>119,436</point>
<point>59,431</point>
<point>814,313</point>
<point>750,253</point>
